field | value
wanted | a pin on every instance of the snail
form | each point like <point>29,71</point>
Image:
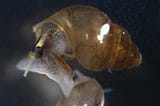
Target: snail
<point>86,34</point>
<point>83,33</point>
<point>86,92</point>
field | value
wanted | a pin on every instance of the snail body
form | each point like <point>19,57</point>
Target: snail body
<point>53,68</point>
<point>91,38</point>
<point>88,35</point>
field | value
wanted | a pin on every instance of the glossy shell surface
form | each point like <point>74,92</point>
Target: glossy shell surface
<point>82,26</point>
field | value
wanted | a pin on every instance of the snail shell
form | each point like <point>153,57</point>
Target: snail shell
<point>87,92</point>
<point>91,38</point>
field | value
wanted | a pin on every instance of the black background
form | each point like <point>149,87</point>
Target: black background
<point>136,87</point>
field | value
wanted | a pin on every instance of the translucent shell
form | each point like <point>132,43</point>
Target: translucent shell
<point>93,39</point>
<point>123,52</point>
<point>87,92</point>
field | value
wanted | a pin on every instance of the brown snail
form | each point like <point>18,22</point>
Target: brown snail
<point>83,33</point>
<point>88,35</point>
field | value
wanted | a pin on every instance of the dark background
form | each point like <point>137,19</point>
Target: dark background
<point>136,87</point>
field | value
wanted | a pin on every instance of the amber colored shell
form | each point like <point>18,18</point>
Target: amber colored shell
<point>123,53</point>
<point>82,25</point>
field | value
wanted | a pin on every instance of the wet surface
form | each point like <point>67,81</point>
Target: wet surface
<point>136,87</point>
